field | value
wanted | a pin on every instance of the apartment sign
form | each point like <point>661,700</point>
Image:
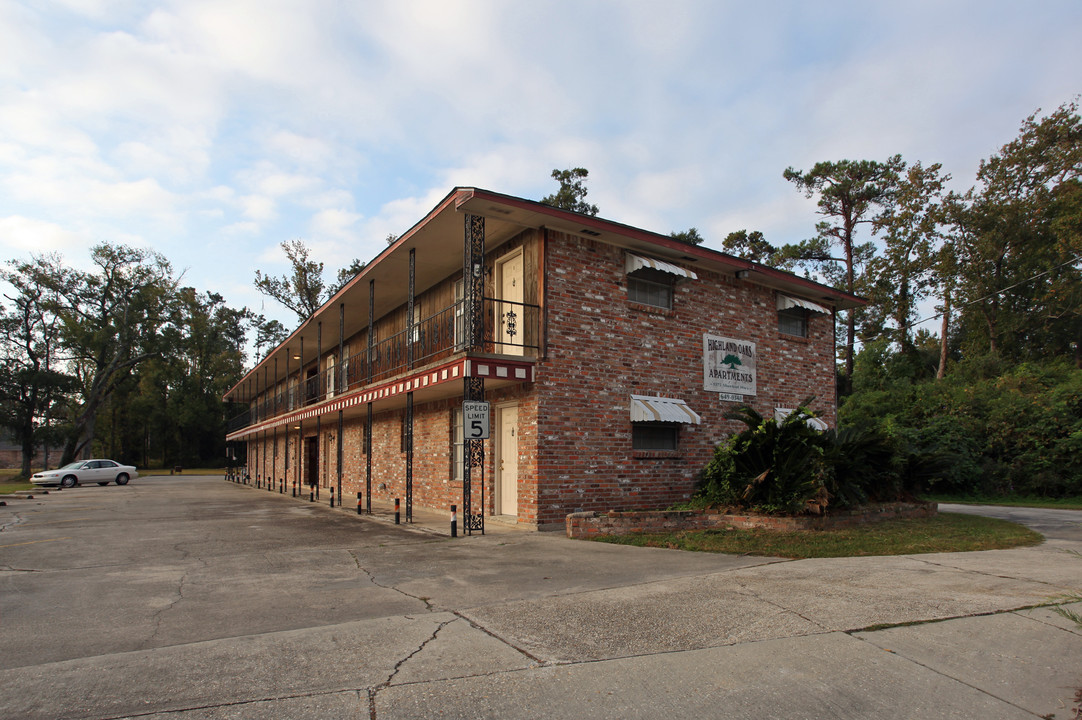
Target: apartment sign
<point>728,365</point>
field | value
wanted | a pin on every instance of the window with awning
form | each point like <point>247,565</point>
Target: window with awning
<point>650,281</point>
<point>647,409</point>
<point>793,314</point>
<point>639,262</point>
<point>813,422</point>
<point>656,421</point>
<point>786,302</point>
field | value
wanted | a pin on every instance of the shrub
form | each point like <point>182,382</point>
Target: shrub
<point>986,429</point>
<point>790,467</point>
<point>769,467</point>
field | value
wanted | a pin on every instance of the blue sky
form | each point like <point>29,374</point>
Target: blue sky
<point>212,131</point>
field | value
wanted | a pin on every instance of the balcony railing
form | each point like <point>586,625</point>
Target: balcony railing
<point>510,328</point>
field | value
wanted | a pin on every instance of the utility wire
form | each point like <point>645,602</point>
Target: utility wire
<point>978,300</point>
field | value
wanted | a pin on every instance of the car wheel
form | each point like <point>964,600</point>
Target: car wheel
<point>122,479</point>
<point>68,481</point>
<point>103,484</point>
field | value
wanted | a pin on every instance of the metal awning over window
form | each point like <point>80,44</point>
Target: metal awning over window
<point>638,262</point>
<point>812,422</point>
<point>658,409</point>
<point>785,302</point>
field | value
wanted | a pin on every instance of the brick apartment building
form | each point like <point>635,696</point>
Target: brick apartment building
<point>607,355</point>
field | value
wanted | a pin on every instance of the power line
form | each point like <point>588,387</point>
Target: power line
<point>981,299</point>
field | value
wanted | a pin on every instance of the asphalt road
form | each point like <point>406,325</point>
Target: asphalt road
<point>190,597</point>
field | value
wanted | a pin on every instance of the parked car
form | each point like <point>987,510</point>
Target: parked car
<point>102,472</point>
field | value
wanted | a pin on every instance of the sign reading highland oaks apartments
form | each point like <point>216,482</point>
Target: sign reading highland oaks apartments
<point>728,365</point>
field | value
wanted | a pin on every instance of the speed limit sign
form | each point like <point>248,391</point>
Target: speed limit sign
<point>475,417</point>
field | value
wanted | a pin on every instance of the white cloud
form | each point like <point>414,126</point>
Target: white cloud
<point>258,207</point>
<point>304,151</point>
<point>336,224</point>
<point>25,235</point>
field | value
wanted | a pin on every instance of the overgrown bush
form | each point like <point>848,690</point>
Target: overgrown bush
<point>770,466</point>
<point>990,429</point>
<point>789,467</point>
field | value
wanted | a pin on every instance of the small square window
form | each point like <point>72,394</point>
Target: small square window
<point>650,287</point>
<point>793,321</point>
<point>654,436</point>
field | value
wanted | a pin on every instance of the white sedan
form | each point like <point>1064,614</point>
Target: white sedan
<point>101,472</point>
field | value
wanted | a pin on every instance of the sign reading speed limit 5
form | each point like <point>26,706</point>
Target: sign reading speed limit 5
<point>475,420</point>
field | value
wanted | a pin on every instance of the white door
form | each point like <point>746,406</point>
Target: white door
<point>509,309</point>
<point>507,460</point>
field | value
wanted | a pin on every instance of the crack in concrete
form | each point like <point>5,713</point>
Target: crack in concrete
<point>374,691</point>
<point>429,606</point>
<point>942,674</point>
<point>9,568</point>
<point>746,588</point>
<point>477,626</point>
<point>234,703</point>
<point>983,573</point>
<point>177,599</point>
<point>18,520</point>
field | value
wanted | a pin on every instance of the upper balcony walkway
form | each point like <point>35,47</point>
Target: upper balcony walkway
<point>511,329</point>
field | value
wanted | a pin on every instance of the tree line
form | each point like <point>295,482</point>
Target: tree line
<point>996,395</point>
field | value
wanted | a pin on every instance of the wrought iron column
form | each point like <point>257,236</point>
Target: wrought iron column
<point>266,370</point>
<point>409,457</point>
<point>473,281</point>
<point>285,460</point>
<point>367,382</point>
<point>473,456</point>
<point>410,329</point>
<point>368,461</point>
<point>340,386</point>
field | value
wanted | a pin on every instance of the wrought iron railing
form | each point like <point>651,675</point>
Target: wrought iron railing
<point>510,328</point>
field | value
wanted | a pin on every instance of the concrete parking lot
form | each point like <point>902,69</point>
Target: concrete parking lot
<point>191,597</point>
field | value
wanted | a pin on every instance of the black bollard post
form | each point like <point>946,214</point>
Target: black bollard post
<point>454,521</point>
<point>311,493</point>
<point>332,497</point>
<point>358,503</point>
<point>397,515</point>
<point>294,488</point>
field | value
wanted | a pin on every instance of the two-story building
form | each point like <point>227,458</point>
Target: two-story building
<point>607,356</point>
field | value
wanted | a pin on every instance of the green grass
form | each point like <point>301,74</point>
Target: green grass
<point>10,482</point>
<point>946,533</point>
<point>1070,503</point>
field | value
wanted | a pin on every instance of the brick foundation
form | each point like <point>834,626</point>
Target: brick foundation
<point>586,525</point>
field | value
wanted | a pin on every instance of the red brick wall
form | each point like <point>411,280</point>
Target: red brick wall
<point>602,349</point>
